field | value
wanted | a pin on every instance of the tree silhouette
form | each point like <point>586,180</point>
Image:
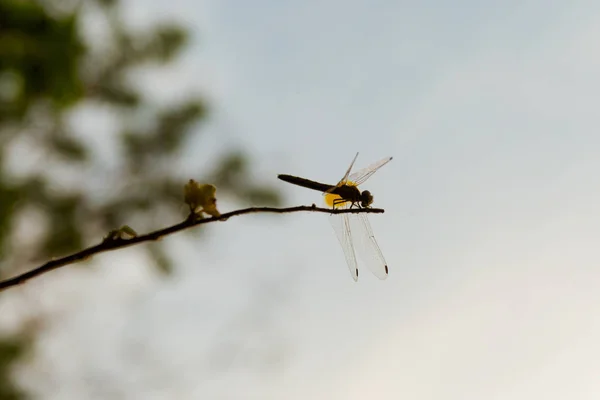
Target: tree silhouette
<point>53,176</point>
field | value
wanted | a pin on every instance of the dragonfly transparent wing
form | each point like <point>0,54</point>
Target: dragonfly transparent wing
<point>345,178</point>
<point>366,246</point>
<point>362,175</point>
<point>341,226</point>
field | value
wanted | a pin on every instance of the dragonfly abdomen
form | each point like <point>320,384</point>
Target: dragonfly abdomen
<point>307,183</point>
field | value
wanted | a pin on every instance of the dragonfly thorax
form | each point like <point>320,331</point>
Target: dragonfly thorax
<point>351,194</point>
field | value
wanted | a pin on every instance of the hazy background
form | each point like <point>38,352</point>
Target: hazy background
<point>490,230</point>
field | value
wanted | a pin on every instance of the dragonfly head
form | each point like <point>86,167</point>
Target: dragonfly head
<point>366,198</point>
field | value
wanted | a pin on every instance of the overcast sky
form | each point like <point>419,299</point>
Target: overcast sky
<point>491,226</point>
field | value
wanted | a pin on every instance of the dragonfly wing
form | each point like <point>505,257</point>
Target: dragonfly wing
<point>345,178</point>
<point>362,175</point>
<point>366,246</point>
<point>341,226</point>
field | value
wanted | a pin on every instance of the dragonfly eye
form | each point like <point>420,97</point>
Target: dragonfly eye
<point>366,198</point>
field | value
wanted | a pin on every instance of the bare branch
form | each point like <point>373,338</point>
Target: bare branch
<point>114,242</point>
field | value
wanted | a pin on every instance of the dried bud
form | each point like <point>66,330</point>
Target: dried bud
<point>127,232</point>
<point>124,232</point>
<point>201,198</point>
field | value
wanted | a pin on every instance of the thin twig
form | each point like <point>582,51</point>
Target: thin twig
<point>113,243</point>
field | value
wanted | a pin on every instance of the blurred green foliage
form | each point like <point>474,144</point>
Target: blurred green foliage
<point>47,69</point>
<point>12,348</point>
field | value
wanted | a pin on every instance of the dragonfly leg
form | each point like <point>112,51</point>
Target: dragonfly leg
<point>336,202</point>
<point>342,201</point>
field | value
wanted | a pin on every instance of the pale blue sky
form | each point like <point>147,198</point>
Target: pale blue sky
<point>490,231</point>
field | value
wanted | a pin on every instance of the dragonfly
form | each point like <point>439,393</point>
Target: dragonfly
<point>353,230</point>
